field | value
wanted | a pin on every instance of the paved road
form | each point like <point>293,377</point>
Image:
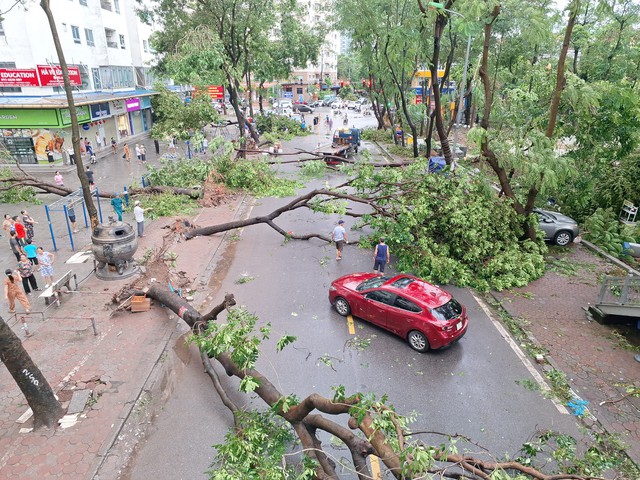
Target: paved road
<point>468,389</point>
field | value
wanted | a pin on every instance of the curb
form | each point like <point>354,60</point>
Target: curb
<point>114,458</point>
<point>553,365</point>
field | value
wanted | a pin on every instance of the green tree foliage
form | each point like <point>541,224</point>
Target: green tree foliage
<point>451,229</point>
<point>10,193</point>
<point>283,441</point>
<point>176,118</point>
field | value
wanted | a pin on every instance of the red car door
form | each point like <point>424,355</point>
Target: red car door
<point>405,316</point>
<point>375,307</point>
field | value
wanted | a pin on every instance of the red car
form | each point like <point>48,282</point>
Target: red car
<point>426,316</point>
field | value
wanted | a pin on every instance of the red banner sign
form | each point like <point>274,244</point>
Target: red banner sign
<point>51,76</point>
<point>216,92</point>
<point>14,77</point>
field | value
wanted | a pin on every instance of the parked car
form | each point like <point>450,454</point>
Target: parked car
<point>423,314</point>
<point>352,105</point>
<point>337,104</point>
<point>302,108</point>
<point>316,104</point>
<point>557,228</point>
<point>326,101</point>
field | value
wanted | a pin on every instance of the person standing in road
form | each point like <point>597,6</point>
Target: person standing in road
<point>339,235</point>
<point>380,257</point>
<point>58,179</point>
<point>116,203</point>
<point>45,261</point>
<point>205,145</point>
<point>13,292</point>
<point>71,213</point>
<point>21,232</point>
<point>15,246</point>
<point>31,251</point>
<point>7,224</point>
<point>114,145</point>
<point>49,153</point>
<point>72,155</point>
<point>89,174</point>
<point>98,141</point>
<point>127,153</point>
<point>28,223</point>
<point>25,267</point>
<point>138,212</point>
<point>138,154</point>
<point>143,152</point>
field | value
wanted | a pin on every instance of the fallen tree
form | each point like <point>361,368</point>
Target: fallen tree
<point>382,431</point>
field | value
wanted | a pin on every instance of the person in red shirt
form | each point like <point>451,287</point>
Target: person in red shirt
<point>21,232</point>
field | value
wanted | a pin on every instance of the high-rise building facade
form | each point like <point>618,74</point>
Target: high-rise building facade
<point>107,49</point>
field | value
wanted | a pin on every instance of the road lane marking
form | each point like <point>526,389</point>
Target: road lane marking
<point>352,328</point>
<point>544,386</point>
<point>375,467</point>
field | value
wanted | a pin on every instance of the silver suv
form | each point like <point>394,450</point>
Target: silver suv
<point>557,228</point>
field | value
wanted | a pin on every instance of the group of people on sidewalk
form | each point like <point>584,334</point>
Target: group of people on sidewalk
<point>29,259</point>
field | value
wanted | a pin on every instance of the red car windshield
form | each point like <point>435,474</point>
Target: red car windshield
<point>374,282</point>
<point>450,310</point>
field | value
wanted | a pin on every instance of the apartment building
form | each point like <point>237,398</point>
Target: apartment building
<point>325,72</point>
<point>107,49</point>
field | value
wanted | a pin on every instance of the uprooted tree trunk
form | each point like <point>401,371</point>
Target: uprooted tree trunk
<point>37,391</point>
<point>303,201</point>
<point>306,422</point>
<point>26,180</point>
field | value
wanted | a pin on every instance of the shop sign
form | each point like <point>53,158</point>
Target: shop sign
<point>133,104</point>
<point>118,106</point>
<point>14,77</point>
<point>83,113</point>
<point>216,92</point>
<point>51,76</point>
<point>16,118</point>
<point>100,110</point>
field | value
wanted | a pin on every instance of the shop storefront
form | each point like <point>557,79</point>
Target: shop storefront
<point>27,134</point>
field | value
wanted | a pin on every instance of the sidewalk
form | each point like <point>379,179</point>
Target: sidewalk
<point>117,364</point>
<point>591,355</point>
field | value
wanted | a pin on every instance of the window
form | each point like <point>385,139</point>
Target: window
<point>89,36</point>
<point>105,5</point>
<point>298,91</point>
<point>83,2</point>
<point>450,310</point>
<point>145,45</point>
<point>1,30</point>
<point>64,27</point>
<point>116,6</point>
<point>97,82</point>
<point>75,31</point>
<point>111,40</point>
<point>117,77</point>
<point>381,296</point>
<point>122,45</point>
<point>405,304</point>
<point>9,89</point>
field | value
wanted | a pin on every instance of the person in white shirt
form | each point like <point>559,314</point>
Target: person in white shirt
<point>98,141</point>
<point>138,213</point>
<point>205,145</point>
<point>138,153</point>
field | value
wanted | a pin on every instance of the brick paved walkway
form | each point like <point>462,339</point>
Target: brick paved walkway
<point>116,363</point>
<point>590,354</point>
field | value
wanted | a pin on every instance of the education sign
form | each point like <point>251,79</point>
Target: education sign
<point>51,76</point>
<point>15,77</point>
